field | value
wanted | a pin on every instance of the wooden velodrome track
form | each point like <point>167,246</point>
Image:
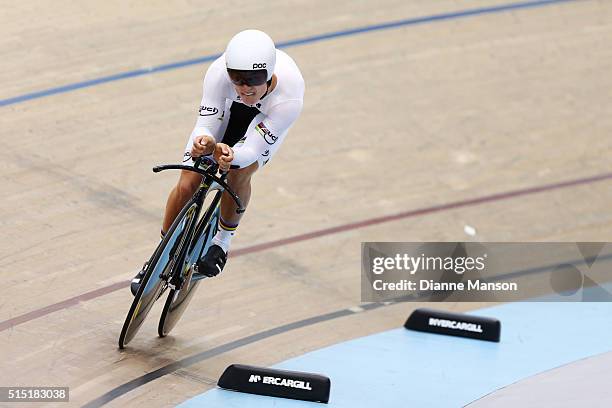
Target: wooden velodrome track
<point>501,120</point>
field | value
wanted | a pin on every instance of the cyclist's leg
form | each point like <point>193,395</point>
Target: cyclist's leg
<point>187,184</point>
<point>240,181</point>
<point>183,190</point>
<point>215,258</point>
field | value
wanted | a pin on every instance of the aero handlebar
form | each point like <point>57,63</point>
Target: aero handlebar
<point>211,173</point>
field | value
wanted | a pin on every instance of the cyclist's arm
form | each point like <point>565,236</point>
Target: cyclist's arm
<point>212,105</point>
<point>265,137</point>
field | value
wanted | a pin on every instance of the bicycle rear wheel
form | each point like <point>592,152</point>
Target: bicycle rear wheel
<point>178,300</point>
<point>153,283</point>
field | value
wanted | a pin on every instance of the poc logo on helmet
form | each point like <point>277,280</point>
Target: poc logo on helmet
<point>259,65</point>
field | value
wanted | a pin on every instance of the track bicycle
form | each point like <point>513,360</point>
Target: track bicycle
<point>171,265</point>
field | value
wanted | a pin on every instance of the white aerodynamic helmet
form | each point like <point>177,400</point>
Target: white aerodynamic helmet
<point>251,50</point>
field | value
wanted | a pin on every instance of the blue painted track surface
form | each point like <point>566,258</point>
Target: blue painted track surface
<point>406,368</point>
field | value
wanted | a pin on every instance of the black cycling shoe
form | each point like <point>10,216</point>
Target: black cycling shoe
<point>137,279</point>
<point>213,262</point>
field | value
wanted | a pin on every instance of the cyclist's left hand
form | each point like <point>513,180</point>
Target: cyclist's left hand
<point>223,155</point>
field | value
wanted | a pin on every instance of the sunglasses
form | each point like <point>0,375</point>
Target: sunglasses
<point>249,78</point>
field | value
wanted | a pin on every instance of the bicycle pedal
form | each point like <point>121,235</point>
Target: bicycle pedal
<point>196,275</point>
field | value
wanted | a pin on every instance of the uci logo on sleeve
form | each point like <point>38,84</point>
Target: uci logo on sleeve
<point>268,136</point>
<point>208,111</point>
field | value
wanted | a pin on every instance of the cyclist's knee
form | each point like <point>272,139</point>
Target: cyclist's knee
<point>242,175</point>
<point>185,190</point>
<point>188,184</point>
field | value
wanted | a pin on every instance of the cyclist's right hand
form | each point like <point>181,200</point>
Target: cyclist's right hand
<point>202,145</point>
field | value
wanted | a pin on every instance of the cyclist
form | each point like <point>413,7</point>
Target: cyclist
<point>252,95</point>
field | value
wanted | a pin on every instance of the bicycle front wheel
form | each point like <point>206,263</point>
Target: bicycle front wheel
<point>154,282</point>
